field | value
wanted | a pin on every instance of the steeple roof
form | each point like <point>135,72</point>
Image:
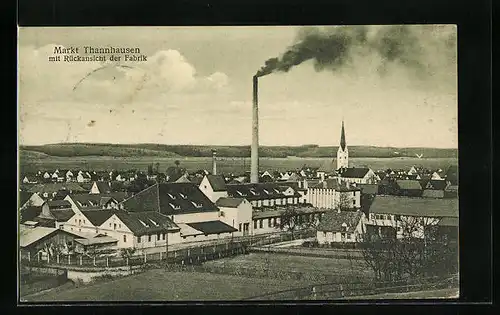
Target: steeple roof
<point>342,137</point>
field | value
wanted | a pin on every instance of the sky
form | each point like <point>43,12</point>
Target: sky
<point>196,88</point>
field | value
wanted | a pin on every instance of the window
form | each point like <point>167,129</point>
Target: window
<point>138,239</point>
<point>109,224</point>
<point>83,221</point>
<point>114,226</point>
<point>76,221</point>
<point>261,223</point>
<point>205,186</point>
<point>255,224</point>
<point>149,238</point>
<point>239,227</point>
<point>269,222</point>
<point>324,234</point>
<point>163,236</point>
<point>96,230</point>
<point>348,236</point>
<point>125,238</point>
<point>158,236</point>
<point>120,226</point>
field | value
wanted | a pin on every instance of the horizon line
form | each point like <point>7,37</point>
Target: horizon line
<point>239,145</point>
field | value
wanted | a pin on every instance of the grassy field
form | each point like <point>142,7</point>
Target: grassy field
<point>159,285</point>
<point>303,264</point>
<point>35,162</point>
<point>428,294</point>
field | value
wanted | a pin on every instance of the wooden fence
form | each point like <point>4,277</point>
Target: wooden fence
<point>189,255</point>
<point>335,291</point>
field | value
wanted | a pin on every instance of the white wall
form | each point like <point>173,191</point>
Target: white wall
<point>207,189</point>
<point>236,216</point>
<point>196,217</point>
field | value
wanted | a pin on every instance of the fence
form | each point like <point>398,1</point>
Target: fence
<point>189,255</point>
<point>332,291</point>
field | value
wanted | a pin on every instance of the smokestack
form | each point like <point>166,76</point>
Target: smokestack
<point>214,162</point>
<point>254,160</point>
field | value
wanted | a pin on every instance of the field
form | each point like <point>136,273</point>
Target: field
<point>160,285</point>
<point>34,162</point>
<point>428,294</point>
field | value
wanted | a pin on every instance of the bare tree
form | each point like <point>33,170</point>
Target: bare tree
<point>344,202</point>
<point>288,220</point>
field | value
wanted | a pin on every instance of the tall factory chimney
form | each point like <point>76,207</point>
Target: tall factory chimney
<point>254,160</point>
<point>214,162</point>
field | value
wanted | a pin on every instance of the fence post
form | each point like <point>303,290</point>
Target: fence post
<point>189,252</point>
<point>126,261</point>
<point>145,258</point>
<point>81,260</point>
<point>215,249</point>
<point>69,259</point>
<point>341,290</point>
<point>314,293</point>
<point>227,246</point>
<point>57,258</point>
<point>201,250</point>
<point>160,256</point>
<point>39,256</point>
<point>94,260</point>
<point>107,261</point>
<point>175,254</point>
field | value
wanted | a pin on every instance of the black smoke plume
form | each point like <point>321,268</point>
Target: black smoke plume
<point>335,47</point>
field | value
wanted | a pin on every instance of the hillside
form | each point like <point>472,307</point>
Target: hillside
<point>161,150</point>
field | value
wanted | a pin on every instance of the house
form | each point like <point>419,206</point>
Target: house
<point>84,177</point>
<point>29,179</point>
<point>49,190</point>
<point>69,175</point>
<point>99,245</point>
<point>330,194</point>
<point>269,221</point>
<point>397,214</point>
<point>410,188</point>
<point>214,187</point>
<point>236,212</point>
<point>96,201</point>
<point>265,194</point>
<point>37,242</point>
<point>451,191</point>
<point>341,227</point>
<point>55,213</point>
<point>100,188</point>
<point>359,175</point>
<point>434,189</point>
<point>181,203</point>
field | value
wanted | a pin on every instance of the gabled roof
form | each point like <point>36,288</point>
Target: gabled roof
<point>28,236</point>
<point>229,202</point>
<point>186,230</point>
<point>103,187</point>
<point>183,179</point>
<point>58,204</point>
<point>96,240</point>
<point>259,191</point>
<point>98,217</point>
<point>169,199</point>
<point>422,207</point>
<point>55,187</point>
<point>436,184</point>
<point>62,215</point>
<point>212,227</point>
<point>24,196</point>
<point>141,223</point>
<point>408,184</point>
<point>355,172</point>
<point>217,182</point>
<point>332,221</point>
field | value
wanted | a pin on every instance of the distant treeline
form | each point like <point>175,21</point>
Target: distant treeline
<point>162,150</point>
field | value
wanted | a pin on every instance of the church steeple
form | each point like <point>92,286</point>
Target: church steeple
<point>342,137</point>
<point>342,152</point>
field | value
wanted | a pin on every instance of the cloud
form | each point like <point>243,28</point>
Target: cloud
<point>165,72</point>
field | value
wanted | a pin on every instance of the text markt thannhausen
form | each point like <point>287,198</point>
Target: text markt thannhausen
<point>128,53</point>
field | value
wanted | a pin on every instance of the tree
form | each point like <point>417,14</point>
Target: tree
<point>288,220</point>
<point>344,202</point>
<point>150,169</point>
<point>416,252</point>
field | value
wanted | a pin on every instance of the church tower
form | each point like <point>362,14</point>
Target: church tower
<point>343,152</point>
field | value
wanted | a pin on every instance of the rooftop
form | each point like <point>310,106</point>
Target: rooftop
<point>422,207</point>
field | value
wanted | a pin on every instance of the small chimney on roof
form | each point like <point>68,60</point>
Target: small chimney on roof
<point>214,162</point>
